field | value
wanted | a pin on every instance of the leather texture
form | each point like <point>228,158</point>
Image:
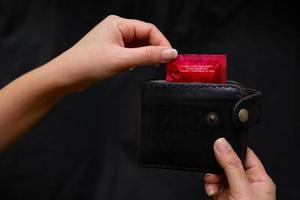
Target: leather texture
<point>175,131</point>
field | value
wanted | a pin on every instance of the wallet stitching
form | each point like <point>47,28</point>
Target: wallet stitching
<point>193,86</point>
<point>172,166</point>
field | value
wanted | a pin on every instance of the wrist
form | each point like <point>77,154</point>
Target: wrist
<point>64,70</point>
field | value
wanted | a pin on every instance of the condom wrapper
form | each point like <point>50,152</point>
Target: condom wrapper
<point>204,68</point>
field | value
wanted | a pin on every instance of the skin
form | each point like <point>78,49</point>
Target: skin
<point>115,45</point>
<point>248,182</point>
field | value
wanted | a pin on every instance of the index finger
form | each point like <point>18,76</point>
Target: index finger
<point>132,29</point>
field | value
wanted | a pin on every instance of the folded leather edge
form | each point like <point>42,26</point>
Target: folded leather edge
<point>252,103</point>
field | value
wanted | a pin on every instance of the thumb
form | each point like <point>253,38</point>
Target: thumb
<point>148,55</point>
<point>232,166</point>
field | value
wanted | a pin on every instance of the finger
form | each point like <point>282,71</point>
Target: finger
<point>231,164</point>
<point>254,168</point>
<point>211,189</point>
<point>213,178</point>
<point>138,30</point>
<point>148,55</point>
<point>252,161</point>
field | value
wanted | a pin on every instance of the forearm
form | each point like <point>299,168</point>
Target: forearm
<point>27,99</point>
<point>113,46</point>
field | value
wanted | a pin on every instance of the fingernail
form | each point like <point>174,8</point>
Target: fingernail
<point>222,146</point>
<point>210,191</point>
<point>207,175</point>
<point>169,54</point>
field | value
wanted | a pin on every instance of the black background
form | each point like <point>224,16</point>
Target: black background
<point>85,148</point>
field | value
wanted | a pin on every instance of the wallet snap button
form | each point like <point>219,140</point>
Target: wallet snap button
<point>212,118</point>
<point>243,115</point>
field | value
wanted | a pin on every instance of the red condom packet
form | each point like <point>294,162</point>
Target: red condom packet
<point>197,68</point>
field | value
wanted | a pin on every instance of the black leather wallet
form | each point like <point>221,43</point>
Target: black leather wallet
<point>179,123</point>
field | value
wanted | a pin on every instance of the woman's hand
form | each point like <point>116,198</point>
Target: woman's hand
<point>239,183</point>
<point>114,45</point>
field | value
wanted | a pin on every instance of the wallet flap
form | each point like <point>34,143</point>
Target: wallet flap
<point>247,111</point>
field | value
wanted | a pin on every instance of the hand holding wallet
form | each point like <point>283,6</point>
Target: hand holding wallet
<point>180,121</point>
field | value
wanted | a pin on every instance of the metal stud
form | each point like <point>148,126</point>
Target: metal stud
<point>243,115</point>
<point>212,118</point>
